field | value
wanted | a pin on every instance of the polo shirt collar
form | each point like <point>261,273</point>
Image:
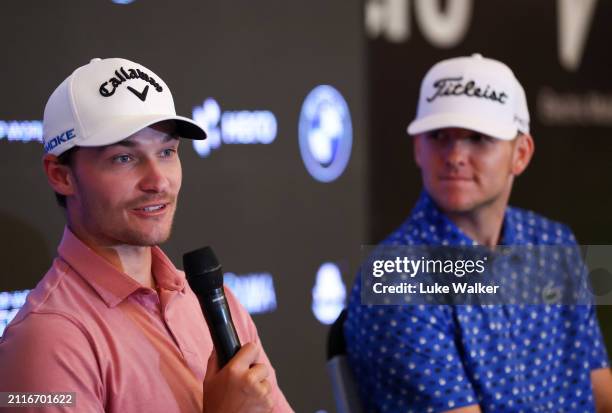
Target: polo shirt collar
<point>112,285</point>
<point>427,215</point>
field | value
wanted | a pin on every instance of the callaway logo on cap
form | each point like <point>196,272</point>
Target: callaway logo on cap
<point>472,93</point>
<point>106,101</point>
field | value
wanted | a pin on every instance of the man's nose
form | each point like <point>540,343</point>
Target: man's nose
<point>456,152</point>
<point>153,179</point>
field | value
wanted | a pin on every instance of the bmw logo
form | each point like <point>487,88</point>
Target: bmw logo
<point>325,133</point>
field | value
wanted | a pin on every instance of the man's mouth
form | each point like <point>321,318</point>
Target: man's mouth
<point>152,208</point>
<point>455,178</point>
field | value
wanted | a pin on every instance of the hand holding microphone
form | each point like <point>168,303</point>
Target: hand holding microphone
<point>234,381</point>
<point>240,386</point>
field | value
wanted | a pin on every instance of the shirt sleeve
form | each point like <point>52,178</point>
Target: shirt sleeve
<point>247,331</point>
<point>592,340</point>
<point>49,353</point>
<point>405,358</point>
<point>588,337</point>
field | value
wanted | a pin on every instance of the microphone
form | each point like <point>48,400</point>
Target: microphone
<point>205,277</point>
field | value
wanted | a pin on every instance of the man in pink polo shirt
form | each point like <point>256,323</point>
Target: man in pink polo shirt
<point>113,322</point>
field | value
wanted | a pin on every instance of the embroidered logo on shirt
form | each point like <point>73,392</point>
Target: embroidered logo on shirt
<point>551,294</point>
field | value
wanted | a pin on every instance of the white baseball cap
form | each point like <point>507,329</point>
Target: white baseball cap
<point>473,93</point>
<point>106,101</point>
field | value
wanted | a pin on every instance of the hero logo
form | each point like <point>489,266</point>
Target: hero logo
<point>325,133</point>
<point>232,127</point>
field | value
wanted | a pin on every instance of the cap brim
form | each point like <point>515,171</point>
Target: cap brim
<point>446,120</point>
<point>124,127</point>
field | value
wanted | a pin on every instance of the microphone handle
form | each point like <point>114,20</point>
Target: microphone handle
<point>219,320</point>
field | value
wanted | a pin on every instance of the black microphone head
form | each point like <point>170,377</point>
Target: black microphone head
<point>203,270</point>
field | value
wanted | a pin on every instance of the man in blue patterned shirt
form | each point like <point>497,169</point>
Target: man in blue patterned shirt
<point>471,139</point>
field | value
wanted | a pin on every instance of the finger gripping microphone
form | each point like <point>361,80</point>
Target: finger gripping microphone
<point>205,277</point>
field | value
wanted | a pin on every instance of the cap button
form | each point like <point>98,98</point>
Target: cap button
<point>95,59</point>
<point>476,55</point>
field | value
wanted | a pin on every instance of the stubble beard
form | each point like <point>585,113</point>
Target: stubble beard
<point>120,232</point>
<point>140,239</point>
<point>159,235</point>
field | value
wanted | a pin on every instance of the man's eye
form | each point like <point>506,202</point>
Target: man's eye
<point>479,138</point>
<point>166,153</point>
<point>122,158</point>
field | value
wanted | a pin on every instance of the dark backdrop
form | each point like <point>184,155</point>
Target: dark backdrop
<point>257,204</point>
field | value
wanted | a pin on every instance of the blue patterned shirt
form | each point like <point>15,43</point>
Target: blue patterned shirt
<point>505,358</point>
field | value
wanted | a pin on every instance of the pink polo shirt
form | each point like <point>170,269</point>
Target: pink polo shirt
<point>90,329</point>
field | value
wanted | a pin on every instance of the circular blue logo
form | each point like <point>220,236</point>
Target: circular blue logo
<point>325,133</point>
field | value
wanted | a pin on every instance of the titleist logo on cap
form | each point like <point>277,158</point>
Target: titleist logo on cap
<point>456,86</point>
<point>122,75</point>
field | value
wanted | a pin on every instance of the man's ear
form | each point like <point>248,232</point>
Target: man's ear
<point>417,148</point>
<point>60,176</point>
<point>523,152</point>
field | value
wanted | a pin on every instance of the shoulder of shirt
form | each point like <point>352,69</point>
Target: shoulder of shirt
<point>405,234</point>
<point>540,230</point>
<point>48,298</point>
<point>537,228</point>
